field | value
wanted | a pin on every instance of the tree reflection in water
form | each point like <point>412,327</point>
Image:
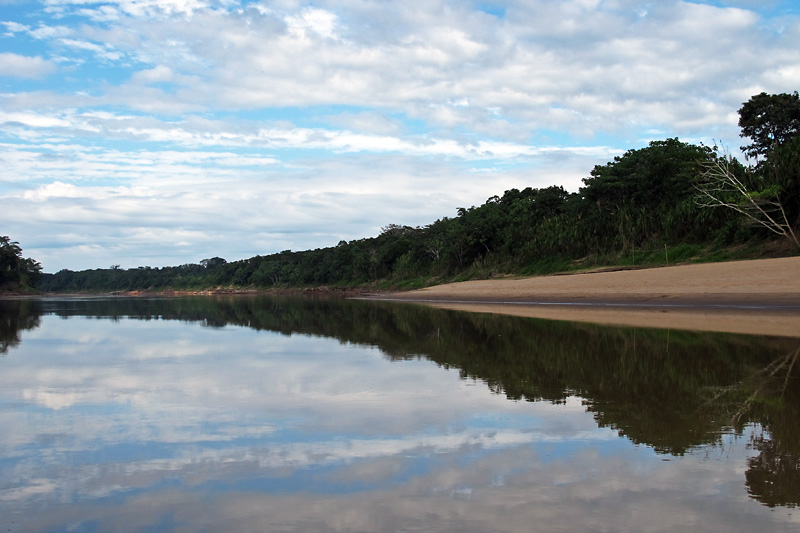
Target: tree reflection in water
<point>671,390</point>
<point>16,316</point>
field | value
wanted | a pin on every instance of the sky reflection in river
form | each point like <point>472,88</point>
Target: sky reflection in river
<point>167,425</point>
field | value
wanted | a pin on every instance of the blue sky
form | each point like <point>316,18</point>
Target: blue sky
<point>163,132</point>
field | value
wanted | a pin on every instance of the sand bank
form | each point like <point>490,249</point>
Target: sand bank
<point>759,297</point>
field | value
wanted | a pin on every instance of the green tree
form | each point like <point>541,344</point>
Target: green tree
<point>769,120</point>
<point>212,263</point>
<point>662,172</point>
<point>631,201</point>
<point>782,169</point>
<point>15,270</point>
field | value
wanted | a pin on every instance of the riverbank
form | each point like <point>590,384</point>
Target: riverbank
<point>760,297</point>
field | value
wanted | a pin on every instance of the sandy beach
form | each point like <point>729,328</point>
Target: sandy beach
<point>760,297</point>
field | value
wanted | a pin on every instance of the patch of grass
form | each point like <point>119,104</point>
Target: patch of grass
<point>715,256</point>
<point>549,265</point>
<point>461,277</point>
<point>682,253</point>
<point>411,284</point>
<point>659,256</point>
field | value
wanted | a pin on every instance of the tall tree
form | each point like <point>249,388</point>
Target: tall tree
<point>769,120</point>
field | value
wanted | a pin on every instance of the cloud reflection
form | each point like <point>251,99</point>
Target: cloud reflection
<point>127,424</point>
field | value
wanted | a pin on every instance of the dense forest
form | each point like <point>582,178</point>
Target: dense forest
<point>668,202</point>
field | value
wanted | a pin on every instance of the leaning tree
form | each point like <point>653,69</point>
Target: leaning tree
<point>768,193</point>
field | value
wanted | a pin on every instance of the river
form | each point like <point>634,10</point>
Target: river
<point>247,413</point>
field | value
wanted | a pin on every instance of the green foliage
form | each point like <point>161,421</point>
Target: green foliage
<point>548,265</point>
<point>769,120</point>
<point>16,272</point>
<point>646,178</point>
<point>683,252</point>
<point>781,172</point>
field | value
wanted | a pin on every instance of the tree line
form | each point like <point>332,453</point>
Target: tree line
<point>667,202</point>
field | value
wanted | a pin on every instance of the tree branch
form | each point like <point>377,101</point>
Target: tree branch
<point>718,186</point>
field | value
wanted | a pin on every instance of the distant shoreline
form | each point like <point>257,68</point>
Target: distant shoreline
<point>756,297</point>
<point>220,291</point>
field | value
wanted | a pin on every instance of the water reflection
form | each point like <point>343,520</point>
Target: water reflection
<point>16,316</point>
<point>146,420</point>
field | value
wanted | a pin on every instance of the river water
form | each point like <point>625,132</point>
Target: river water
<point>281,414</point>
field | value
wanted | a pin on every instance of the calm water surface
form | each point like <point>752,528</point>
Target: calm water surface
<point>263,414</point>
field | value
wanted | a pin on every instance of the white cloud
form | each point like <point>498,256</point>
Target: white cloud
<point>100,51</point>
<point>367,122</point>
<point>196,133</point>
<point>134,8</point>
<point>14,27</point>
<point>295,92</point>
<point>20,66</point>
<point>34,120</point>
<point>318,21</point>
<point>50,32</point>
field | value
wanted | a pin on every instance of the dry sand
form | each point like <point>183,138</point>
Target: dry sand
<point>759,297</point>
